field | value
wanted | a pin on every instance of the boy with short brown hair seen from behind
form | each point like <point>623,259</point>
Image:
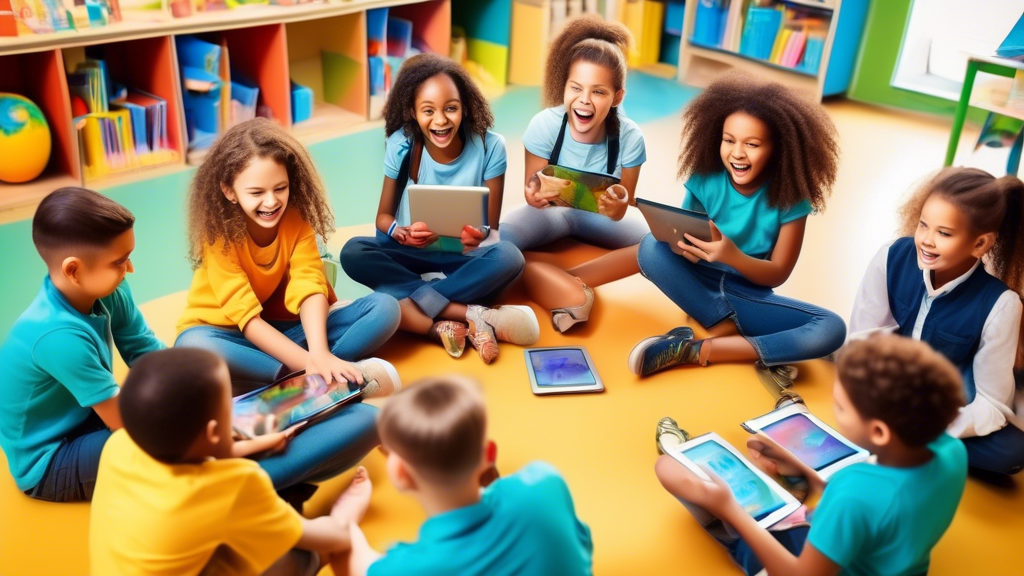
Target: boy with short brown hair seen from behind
<point>435,435</point>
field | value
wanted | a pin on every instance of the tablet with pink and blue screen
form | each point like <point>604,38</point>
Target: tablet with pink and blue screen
<point>812,441</point>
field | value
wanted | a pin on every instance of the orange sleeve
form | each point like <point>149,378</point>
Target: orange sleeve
<point>306,276</point>
<point>230,285</point>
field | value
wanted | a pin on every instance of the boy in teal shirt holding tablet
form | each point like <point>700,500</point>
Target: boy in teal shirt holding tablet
<point>894,396</point>
<point>60,397</point>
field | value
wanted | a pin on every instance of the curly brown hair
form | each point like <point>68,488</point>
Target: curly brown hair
<point>399,110</point>
<point>592,39</point>
<point>915,390</point>
<point>991,205</point>
<point>805,159</point>
<point>213,217</point>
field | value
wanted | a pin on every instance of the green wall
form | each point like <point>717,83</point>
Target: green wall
<point>879,49</point>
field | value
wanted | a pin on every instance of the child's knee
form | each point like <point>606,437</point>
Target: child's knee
<point>667,470</point>
<point>386,307</point>
<point>831,333</point>
<point>648,254</point>
<point>355,253</point>
<point>510,257</point>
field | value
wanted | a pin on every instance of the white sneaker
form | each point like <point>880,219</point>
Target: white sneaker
<point>515,324</point>
<point>380,378</point>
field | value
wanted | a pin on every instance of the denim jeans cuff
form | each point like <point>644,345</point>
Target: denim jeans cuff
<point>430,301</point>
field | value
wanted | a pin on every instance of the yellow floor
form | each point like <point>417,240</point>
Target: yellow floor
<point>604,443</point>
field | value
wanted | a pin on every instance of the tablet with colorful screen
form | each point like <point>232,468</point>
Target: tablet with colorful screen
<point>758,494</point>
<point>562,371</point>
<point>808,438</point>
<point>292,399</point>
<point>586,187</point>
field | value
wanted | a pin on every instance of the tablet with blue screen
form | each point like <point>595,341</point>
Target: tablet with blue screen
<point>759,495</point>
<point>564,370</point>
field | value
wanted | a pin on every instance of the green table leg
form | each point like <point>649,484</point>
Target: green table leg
<point>961,111</point>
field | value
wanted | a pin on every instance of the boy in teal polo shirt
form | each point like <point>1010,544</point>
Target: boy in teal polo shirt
<point>60,397</point>
<point>894,396</point>
<point>435,435</point>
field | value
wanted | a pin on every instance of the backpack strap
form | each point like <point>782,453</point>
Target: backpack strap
<point>410,166</point>
<point>613,150</point>
<point>556,151</point>
<point>613,146</point>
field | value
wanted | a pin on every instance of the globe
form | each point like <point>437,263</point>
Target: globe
<point>24,139</point>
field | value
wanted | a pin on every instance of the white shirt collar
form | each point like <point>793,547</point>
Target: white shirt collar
<point>949,286</point>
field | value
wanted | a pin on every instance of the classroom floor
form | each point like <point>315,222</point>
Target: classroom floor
<point>603,444</point>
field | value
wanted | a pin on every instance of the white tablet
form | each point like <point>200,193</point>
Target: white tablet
<point>446,209</point>
<point>668,223</point>
<point>758,494</point>
<point>808,438</point>
<point>563,370</point>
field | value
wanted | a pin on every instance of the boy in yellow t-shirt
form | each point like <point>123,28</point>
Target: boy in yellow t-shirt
<point>171,499</point>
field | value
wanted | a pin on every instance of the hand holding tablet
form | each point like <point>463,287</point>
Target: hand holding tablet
<point>755,492</point>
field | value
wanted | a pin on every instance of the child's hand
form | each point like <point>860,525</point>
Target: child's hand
<point>471,238</point>
<point>772,458</point>
<point>720,249</point>
<point>714,496</point>
<point>613,202</point>
<point>542,190</point>
<point>332,368</point>
<point>420,236</point>
<point>269,443</point>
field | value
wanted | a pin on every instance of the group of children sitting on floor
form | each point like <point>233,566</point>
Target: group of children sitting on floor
<point>175,493</point>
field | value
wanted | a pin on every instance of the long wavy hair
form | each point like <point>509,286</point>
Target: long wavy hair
<point>213,217</point>
<point>805,158</point>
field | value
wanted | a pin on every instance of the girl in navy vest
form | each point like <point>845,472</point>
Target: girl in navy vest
<point>932,285</point>
<point>437,125</point>
<point>584,129</point>
<point>758,160</point>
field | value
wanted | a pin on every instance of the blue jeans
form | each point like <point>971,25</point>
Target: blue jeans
<point>528,227</point>
<point>326,448</point>
<point>792,539</point>
<point>71,475</point>
<point>1001,452</point>
<point>781,330</point>
<point>392,268</point>
<point>353,332</point>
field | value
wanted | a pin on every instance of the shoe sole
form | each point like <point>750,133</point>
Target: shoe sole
<point>391,370</point>
<point>533,320</point>
<point>636,355</point>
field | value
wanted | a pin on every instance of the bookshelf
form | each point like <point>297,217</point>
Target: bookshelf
<point>719,36</point>
<point>322,46</point>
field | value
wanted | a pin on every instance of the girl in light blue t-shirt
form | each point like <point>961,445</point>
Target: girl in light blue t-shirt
<point>437,122</point>
<point>760,159</point>
<point>584,130</point>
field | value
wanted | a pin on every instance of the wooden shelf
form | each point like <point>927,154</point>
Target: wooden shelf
<point>330,121</point>
<point>140,27</point>
<point>322,46</point>
<point>18,201</point>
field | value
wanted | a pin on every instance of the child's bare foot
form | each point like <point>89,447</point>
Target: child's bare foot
<point>353,502</point>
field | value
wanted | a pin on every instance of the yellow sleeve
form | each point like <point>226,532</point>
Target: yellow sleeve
<point>263,528</point>
<point>230,285</point>
<point>306,276</point>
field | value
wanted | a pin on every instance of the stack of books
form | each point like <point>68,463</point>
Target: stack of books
<point>119,128</point>
<point>28,17</point>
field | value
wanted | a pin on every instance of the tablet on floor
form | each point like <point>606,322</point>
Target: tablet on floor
<point>563,370</point>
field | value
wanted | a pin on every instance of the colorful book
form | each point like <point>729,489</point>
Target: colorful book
<point>813,52</point>
<point>759,32</point>
<point>709,23</point>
